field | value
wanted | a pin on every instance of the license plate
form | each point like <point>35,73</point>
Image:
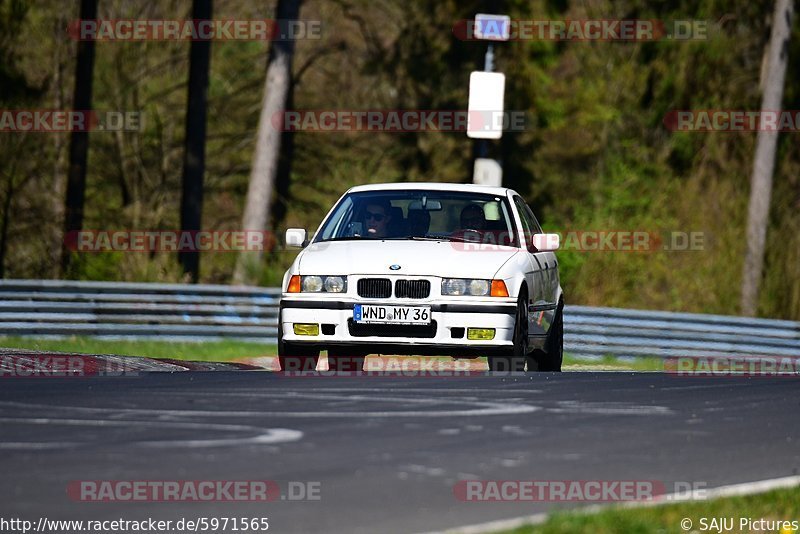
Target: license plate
<point>368,313</point>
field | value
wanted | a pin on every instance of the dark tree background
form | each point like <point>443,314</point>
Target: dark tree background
<point>595,155</point>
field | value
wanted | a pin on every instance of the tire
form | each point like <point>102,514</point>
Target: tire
<point>513,360</point>
<point>549,359</point>
<point>344,359</point>
<point>295,357</point>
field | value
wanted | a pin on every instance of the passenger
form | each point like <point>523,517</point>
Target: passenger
<point>473,218</point>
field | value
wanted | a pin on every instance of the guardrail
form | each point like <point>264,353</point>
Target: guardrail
<point>112,310</point>
<point>177,312</point>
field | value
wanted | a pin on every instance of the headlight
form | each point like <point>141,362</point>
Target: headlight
<point>454,286</point>
<point>329,284</point>
<point>478,287</point>
<point>312,283</point>
<point>465,286</point>
<point>334,284</point>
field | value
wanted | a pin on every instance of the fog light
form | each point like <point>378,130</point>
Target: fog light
<point>480,334</point>
<point>303,329</point>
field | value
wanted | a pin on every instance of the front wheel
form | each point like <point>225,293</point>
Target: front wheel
<point>295,357</point>
<point>550,359</point>
<point>513,359</point>
<point>344,359</point>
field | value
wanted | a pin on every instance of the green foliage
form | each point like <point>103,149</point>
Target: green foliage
<point>212,351</point>
<point>596,154</point>
<point>777,505</point>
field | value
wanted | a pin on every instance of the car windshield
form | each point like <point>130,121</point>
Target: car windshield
<point>421,215</point>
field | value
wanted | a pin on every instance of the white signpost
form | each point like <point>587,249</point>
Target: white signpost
<point>486,94</point>
<point>485,109</point>
<point>487,171</point>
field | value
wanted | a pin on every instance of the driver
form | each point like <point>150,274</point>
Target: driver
<point>376,218</point>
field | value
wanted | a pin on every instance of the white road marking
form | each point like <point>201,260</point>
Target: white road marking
<point>38,445</point>
<point>273,436</point>
<point>423,470</point>
<point>515,430</point>
<point>480,409</point>
<point>244,392</point>
<point>609,408</point>
<point>732,490</point>
<point>260,436</point>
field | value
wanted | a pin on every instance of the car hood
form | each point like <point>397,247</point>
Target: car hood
<point>415,258</point>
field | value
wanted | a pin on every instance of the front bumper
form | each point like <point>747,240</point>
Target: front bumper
<point>450,320</point>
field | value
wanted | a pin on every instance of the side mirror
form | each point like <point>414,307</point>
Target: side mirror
<point>296,237</point>
<point>546,242</point>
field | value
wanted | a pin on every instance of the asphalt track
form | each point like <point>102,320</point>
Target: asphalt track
<point>387,452</point>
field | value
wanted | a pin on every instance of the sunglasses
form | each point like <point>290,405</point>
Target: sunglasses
<point>377,216</point>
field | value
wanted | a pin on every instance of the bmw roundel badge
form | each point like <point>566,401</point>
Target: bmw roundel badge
<point>394,267</point>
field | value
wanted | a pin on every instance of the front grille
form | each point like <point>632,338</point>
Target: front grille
<point>375,288</point>
<point>412,289</point>
<point>391,330</point>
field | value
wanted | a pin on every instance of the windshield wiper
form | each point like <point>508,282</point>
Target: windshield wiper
<point>422,237</point>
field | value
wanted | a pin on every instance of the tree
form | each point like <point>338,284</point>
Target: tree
<point>268,139</point>
<point>195,141</point>
<point>79,140</point>
<point>764,162</point>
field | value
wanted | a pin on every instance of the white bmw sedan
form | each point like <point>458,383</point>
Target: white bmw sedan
<point>424,269</point>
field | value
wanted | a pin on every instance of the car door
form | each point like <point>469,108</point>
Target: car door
<point>534,275</point>
<point>541,310</point>
<point>551,264</point>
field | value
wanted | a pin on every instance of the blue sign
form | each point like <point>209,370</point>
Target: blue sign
<point>492,27</point>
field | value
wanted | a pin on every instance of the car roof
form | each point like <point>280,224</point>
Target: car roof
<point>432,186</point>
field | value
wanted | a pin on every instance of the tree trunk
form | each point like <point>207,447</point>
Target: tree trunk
<point>194,155</point>
<point>59,182</point>
<point>79,141</point>
<point>764,162</point>
<point>5,219</point>
<point>268,141</point>
<point>283,178</point>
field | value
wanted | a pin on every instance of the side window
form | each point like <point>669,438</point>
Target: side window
<point>534,223</point>
<point>338,220</point>
<point>527,227</point>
